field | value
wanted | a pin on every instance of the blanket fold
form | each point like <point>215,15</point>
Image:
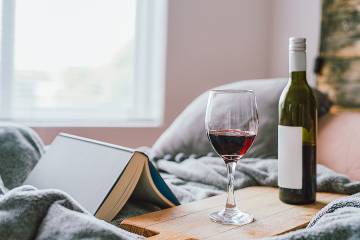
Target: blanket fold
<point>28,213</point>
<point>205,176</point>
<point>338,220</point>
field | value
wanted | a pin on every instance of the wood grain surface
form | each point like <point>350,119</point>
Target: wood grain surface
<point>191,221</point>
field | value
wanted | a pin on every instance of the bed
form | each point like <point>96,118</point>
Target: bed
<point>186,161</point>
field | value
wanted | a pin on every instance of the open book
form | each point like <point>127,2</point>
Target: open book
<point>100,176</point>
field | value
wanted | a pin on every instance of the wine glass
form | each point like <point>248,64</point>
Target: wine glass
<point>231,124</point>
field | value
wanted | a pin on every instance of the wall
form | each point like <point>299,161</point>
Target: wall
<point>213,42</point>
<point>293,18</point>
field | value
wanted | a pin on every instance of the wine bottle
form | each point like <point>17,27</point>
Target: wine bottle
<point>297,132</point>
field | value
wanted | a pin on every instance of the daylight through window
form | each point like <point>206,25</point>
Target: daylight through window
<point>75,62</point>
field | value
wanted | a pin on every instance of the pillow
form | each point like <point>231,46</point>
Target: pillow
<point>20,150</point>
<point>187,133</point>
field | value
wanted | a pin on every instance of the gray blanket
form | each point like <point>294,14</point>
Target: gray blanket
<point>196,178</point>
<point>28,213</point>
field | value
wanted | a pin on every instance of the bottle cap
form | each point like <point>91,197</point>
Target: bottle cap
<point>297,44</point>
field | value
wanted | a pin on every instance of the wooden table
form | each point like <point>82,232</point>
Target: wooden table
<point>191,221</point>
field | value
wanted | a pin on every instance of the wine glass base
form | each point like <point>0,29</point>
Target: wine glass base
<point>231,217</point>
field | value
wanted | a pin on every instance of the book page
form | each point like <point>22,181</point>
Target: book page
<point>146,190</point>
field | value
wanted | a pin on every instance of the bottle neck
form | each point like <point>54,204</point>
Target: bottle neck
<point>297,66</point>
<point>298,77</point>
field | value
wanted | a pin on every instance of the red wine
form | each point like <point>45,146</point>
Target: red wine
<point>231,144</point>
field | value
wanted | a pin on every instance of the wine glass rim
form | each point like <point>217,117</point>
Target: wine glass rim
<point>231,91</point>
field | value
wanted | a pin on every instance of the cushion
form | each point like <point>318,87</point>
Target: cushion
<point>187,133</point>
<point>338,143</point>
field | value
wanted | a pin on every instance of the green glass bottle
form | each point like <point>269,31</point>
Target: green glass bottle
<point>297,132</point>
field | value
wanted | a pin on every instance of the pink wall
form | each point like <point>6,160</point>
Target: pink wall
<point>210,42</point>
<point>293,18</point>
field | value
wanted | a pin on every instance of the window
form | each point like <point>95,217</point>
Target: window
<point>83,62</point>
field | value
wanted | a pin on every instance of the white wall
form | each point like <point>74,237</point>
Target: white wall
<point>213,42</point>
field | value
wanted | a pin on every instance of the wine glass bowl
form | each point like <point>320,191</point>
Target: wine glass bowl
<point>231,124</point>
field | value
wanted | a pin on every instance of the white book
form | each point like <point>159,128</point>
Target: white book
<point>100,176</point>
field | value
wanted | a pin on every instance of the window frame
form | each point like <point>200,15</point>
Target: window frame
<point>149,76</point>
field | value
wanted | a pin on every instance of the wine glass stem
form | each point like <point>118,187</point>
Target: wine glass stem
<point>230,202</point>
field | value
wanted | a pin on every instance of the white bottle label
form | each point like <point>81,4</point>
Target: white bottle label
<point>290,164</point>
